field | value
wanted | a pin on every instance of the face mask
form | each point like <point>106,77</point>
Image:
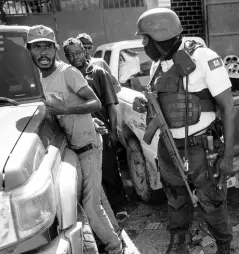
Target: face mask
<point>170,47</point>
<point>151,50</point>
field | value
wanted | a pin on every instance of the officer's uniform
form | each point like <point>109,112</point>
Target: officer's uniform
<point>209,74</point>
<point>161,30</point>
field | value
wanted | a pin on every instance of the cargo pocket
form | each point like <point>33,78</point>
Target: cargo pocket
<point>211,198</point>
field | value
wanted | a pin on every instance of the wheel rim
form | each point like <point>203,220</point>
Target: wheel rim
<point>138,170</point>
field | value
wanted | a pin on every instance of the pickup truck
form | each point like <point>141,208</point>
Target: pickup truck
<point>131,67</point>
<point>39,180</point>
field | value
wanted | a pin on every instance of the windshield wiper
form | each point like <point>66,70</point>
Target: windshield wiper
<point>8,100</point>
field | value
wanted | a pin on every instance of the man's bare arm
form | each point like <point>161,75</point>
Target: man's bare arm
<point>91,104</point>
<point>112,115</point>
<point>225,102</point>
<point>225,164</point>
<point>56,106</point>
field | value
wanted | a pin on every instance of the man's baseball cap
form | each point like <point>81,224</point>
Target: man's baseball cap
<point>40,33</point>
<point>85,39</point>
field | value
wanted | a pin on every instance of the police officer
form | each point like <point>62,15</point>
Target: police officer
<point>208,86</point>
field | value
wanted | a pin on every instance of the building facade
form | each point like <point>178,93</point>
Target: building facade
<point>191,15</point>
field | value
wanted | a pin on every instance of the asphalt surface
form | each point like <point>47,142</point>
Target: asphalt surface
<point>146,226</point>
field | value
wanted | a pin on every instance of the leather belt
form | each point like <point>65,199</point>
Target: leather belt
<point>198,140</point>
<point>84,149</point>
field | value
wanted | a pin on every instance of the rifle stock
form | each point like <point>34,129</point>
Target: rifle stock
<point>159,122</point>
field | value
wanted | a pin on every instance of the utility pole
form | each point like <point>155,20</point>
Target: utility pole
<point>2,14</point>
<point>55,20</point>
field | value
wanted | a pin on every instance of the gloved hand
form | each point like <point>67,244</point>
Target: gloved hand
<point>140,104</point>
<point>224,169</point>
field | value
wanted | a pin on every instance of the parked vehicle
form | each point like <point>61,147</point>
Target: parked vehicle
<point>131,66</point>
<point>39,212</point>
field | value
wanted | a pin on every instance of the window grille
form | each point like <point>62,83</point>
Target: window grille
<point>30,7</point>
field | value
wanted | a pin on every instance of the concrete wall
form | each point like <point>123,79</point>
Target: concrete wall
<point>108,25</point>
<point>104,25</point>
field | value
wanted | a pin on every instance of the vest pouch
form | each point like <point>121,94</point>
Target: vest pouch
<point>183,63</point>
<point>167,81</point>
<point>173,107</point>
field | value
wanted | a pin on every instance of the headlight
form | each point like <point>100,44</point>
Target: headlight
<point>7,228</point>
<point>4,223</point>
<point>34,204</point>
<point>30,208</point>
<point>36,210</point>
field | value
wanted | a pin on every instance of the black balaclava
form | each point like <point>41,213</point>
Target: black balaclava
<point>151,50</point>
<point>169,47</point>
<point>163,50</point>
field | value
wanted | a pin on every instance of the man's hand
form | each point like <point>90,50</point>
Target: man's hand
<point>224,168</point>
<point>55,105</point>
<point>113,138</point>
<point>100,126</point>
<point>140,104</point>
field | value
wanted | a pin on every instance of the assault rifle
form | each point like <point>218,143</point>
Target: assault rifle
<point>159,122</point>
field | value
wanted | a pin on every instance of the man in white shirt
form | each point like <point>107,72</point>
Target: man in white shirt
<point>208,86</point>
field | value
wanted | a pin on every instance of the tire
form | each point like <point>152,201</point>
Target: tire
<point>138,172</point>
<point>89,242</point>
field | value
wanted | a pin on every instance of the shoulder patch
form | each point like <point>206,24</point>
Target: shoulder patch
<point>215,63</point>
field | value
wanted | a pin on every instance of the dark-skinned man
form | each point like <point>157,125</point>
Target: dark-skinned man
<point>89,50</point>
<point>101,83</point>
<point>208,86</point>
<point>71,99</point>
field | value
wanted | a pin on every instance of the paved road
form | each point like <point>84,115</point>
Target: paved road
<point>146,226</point>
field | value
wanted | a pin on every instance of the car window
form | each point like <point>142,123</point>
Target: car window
<point>134,68</point>
<point>98,54</point>
<point>107,56</point>
<point>19,76</point>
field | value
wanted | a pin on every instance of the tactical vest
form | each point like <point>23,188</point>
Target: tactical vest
<point>172,99</point>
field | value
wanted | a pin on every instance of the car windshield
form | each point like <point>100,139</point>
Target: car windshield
<point>19,77</point>
<point>134,68</point>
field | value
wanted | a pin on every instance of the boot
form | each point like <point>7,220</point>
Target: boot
<point>223,249</point>
<point>177,244</point>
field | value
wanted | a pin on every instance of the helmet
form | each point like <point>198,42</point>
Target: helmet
<point>159,23</point>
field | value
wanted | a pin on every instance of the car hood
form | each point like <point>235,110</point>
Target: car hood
<point>13,123</point>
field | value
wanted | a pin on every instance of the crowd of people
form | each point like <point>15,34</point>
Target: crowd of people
<point>82,95</point>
